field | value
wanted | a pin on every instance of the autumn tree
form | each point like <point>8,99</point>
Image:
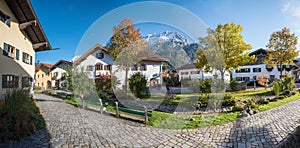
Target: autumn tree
<point>282,48</point>
<point>124,35</point>
<point>222,49</point>
<point>126,46</point>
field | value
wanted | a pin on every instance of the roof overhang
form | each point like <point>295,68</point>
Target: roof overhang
<point>29,24</point>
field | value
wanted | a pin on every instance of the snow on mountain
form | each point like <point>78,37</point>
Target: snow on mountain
<point>167,36</point>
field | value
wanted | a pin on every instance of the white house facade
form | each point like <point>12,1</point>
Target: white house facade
<point>190,71</point>
<point>21,36</point>
<point>95,62</point>
<point>253,71</point>
<point>59,74</point>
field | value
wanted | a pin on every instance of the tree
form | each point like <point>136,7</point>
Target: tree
<point>126,46</point>
<point>82,85</point>
<point>282,48</point>
<point>222,49</point>
<point>138,85</point>
<point>124,35</point>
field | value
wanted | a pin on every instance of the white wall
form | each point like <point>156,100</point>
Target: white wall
<point>202,75</point>
<point>274,72</point>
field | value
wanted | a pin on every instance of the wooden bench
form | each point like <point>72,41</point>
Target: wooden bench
<point>144,113</point>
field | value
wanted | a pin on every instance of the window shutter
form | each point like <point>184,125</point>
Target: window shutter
<point>30,60</point>
<point>17,54</point>
<point>4,81</point>
<point>5,51</point>
<point>24,57</point>
<point>16,80</point>
<point>7,21</point>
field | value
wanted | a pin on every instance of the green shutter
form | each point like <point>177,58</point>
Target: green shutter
<point>7,21</point>
<point>5,49</point>
<point>4,81</point>
<point>17,54</point>
<point>16,80</point>
<point>24,56</point>
<point>30,60</point>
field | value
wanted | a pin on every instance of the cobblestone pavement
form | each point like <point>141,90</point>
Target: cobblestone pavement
<point>72,127</point>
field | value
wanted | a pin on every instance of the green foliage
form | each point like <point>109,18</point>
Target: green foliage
<point>20,117</point>
<point>138,85</point>
<point>262,101</point>
<point>282,48</point>
<point>223,49</point>
<point>284,86</point>
<point>238,107</point>
<point>229,101</point>
<point>202,101</point>
<point>233,84</point>
<point>205,85</point>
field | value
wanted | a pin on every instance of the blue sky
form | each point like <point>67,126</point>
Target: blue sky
<point>67,22</point>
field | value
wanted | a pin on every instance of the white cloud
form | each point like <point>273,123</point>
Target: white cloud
<point>292,7</point>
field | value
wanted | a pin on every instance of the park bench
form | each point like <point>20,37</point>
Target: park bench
<point>66,94</point>
<point>144,113</point>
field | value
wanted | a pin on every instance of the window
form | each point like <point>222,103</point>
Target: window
<point>89,68</point>
<point>99,67</point>
<point>42,84</point>
<point>195,72</point>
<point>242,78</point>
<point>143,67</point>
<point>55,74</point>
<point>4,18</point>
<point>256,69</point>
<point>107,67</point>
<point>38,76</point>
<point>27,58</point>
<point>38,84</point>
<point>254,77</point>
<point>10,51</point>
<point>10,81</point>
<point>184,73</point>
<point>134,68</point>
<point>26,81</point>
<point>243,70</point>
<point>42,75</point>
<point>100,55</point>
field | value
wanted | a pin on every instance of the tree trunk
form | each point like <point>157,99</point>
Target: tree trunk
<point>126,80</point>
<point>280,70</point>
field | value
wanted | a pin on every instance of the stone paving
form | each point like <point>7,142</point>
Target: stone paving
<point>68,126</point>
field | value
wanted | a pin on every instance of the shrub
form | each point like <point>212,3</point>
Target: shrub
<point>202,101</point>
<point>138,85</point>
<point>276,88</point>
<point>251,104</point>
<point>205,85</point>
<point>262,101</point>
<point>19,116</point>
<point>284,86</point>
<point>229,101</point>
<point>233,84</point>
<point>238,107</point>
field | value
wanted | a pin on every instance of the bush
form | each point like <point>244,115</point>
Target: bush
<point>251,104</point>
<point>239,107</point>
<point>284,86</point>
<point>20,117</point>
<point>202,101</point>
<point>138,85</point>
<point>229,101</point>
<point>262,101</point>
<point>276,88</point>
<point>205,85</point>
<point>233,84</point>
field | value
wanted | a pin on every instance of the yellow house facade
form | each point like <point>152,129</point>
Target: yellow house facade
<point>21,35</point>
<point>43,76</point>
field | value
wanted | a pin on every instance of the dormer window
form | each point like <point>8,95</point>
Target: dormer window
<point>100,55</point>
<point>89,68</point>
<point>4,18</point>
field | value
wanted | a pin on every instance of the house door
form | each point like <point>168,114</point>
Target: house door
<point>48,84</point>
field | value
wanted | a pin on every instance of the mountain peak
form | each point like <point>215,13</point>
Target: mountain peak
<point>167,36</point>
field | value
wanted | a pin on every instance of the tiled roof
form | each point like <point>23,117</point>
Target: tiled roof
<point>187,66</point>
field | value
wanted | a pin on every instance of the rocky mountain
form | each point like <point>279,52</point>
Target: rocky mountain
<point>173,46</point>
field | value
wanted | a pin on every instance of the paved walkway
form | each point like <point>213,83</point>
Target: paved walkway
<point>72,127</point>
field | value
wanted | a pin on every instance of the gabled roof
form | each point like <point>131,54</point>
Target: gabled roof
<point>260,50</point>
<point>32,29</point>
<point>60,62</point>
<point>43,65</point>
<point>89,52</point>
<point>153,57</point>
<point>187,66</point>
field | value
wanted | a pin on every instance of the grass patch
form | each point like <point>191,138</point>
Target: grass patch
<point>20,116</point>
<point>172,121</point>
<point>278,103</point>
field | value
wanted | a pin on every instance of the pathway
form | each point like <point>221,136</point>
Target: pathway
<point>72,127</point>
